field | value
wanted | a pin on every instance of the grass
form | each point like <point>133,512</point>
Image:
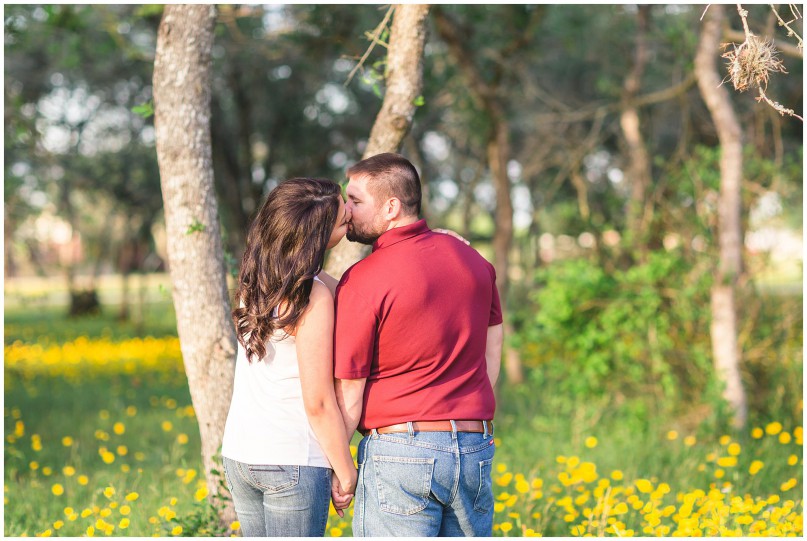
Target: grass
<point>94,415</point>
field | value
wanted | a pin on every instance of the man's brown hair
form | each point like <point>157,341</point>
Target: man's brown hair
<point>391,175</point>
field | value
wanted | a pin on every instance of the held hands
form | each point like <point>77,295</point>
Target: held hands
<point>342,492</point>
<point>452,234</point>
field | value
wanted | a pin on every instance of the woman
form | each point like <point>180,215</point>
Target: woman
<point>285,438</point>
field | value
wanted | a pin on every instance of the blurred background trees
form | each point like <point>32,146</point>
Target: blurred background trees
<point>570,144</point>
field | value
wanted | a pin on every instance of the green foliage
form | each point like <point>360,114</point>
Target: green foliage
<point>145,110</point>
<point>195,227</point>
<point>634,332</point>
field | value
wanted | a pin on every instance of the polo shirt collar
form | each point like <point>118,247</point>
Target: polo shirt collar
<point>393,236</point>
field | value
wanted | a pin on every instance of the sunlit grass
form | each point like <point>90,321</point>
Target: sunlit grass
<point>101,439</point>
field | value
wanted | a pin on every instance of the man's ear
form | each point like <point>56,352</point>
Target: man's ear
<point>391,209</point>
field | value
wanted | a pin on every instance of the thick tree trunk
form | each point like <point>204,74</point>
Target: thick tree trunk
<point>182,89</point>
<point>725,348</point>
<point>639,171</point>
<point>403,85</point>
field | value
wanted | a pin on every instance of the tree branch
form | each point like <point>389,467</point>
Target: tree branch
<point>374,39</point>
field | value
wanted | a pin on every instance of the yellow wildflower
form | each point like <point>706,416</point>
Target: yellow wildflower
<point>119,428</point>
<point>57,489</point>
<point>734,449</point>
<point>591,442</point>
<point>784,438</point>
<point>757,433</point>
<point>773,428</point>
<point>672,435</point>
<point>727,461</point>
<point>689,441</point>
<point>755,467</point>
<point>67,441</point>
<point>644,486</point>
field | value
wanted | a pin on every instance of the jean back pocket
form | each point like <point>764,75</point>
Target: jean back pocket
<point>404,483</point>
<point>273,478</point>
<point>484,496</point>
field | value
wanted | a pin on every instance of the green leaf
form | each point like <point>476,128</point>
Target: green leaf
<point>419,101</point>
<point>145,110</point>
<point>149,10</point>
<point>195,227</point>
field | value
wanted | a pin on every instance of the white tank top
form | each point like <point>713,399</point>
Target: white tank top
<point>267,423</point>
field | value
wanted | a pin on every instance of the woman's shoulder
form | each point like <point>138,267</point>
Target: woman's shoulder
<point>320,294</point>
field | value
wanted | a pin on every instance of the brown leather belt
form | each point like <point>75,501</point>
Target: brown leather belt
<point>435,426</point>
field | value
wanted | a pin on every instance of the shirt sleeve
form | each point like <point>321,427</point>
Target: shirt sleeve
<point>354,334</point>
<point>495,303</point>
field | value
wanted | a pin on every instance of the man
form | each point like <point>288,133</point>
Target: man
<point>417,351</point>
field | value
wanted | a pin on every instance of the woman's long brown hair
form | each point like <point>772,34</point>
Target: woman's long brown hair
<point>285,249</point>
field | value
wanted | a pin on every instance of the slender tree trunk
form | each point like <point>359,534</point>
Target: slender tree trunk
<point>10,263</point>
<point>498,154</point>
<point>403,85</point>
<point>639,171</point>
<point>182,89</point>
<point>725,347</point>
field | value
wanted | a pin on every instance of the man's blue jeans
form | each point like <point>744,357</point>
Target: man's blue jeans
<point>424,484</point>
<point>279,501</point>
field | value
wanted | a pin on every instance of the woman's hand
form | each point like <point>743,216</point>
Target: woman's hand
<point>341,495</point>
<point>452,234</point>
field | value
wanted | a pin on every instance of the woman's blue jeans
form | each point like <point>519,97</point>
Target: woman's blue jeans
<point>424,484</point>
<point>279,501</point>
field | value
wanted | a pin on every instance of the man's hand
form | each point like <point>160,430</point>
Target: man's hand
<point>341,499</point>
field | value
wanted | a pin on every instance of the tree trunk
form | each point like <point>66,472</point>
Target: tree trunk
<point>182,90</point>
<point>638,171</point>
<point>498,154</point>
<point>404,83</point>
<point>725,348</point>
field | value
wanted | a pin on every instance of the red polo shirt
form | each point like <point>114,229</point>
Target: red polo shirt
<point>412,318</point>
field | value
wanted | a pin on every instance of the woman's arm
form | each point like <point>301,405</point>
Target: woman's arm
<point>314,339</point>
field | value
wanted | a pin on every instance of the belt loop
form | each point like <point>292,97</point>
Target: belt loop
<point>485,428</point>
<point>411,429</point>
<point>492,428</point>
<point>453,429</point>
<point>374,433</point>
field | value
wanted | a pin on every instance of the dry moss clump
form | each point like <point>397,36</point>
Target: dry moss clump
<point>750,63</point>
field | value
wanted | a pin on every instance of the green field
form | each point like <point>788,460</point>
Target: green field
<point>100,439</point>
